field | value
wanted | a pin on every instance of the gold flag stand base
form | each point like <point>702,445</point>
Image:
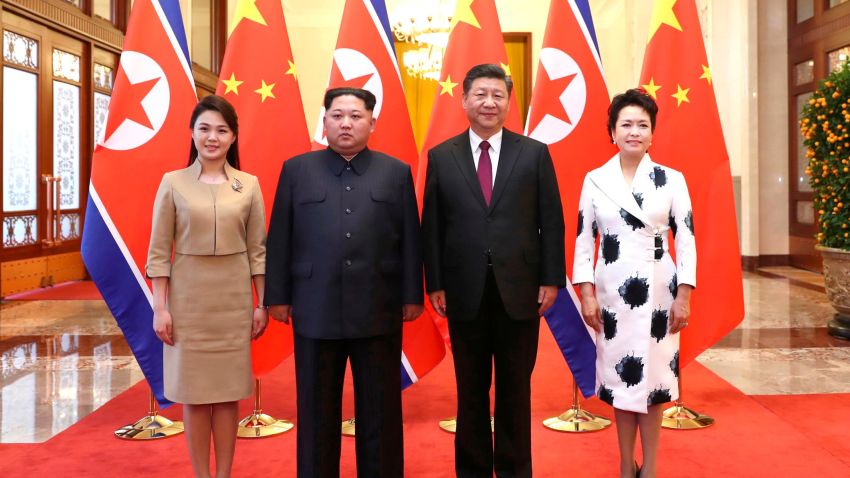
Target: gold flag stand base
<point>348,427</point>
<point>450,424</point>
<point>576,420</point>
<point>152,427</point>
<point>680,417</point>
<point>260,425</point>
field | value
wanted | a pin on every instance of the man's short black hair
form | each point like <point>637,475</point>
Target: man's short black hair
<point>486,70</point>
<point>364,95</point>
<point>633,97</point>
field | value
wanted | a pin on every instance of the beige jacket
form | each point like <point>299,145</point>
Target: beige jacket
<point>189,219</point>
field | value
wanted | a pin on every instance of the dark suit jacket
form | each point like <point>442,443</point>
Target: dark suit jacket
<point>522,229</point>
<point>344,246</point>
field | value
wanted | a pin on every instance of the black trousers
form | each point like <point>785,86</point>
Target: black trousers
<point>493,338</point>
<point>319,376</point>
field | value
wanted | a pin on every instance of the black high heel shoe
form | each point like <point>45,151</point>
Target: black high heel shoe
<point>637,470</point>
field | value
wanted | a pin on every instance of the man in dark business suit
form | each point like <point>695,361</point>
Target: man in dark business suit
<point>493,231</point>
<point>344,260</point>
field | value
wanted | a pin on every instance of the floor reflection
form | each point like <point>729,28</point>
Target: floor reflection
<point>61,360</point>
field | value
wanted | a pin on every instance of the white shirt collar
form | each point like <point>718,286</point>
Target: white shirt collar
<point>495,141</point>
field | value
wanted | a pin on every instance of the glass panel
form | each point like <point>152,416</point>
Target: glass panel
<point>103,9</point>
<point>805,212</point>
<point>802,160</point>
<point>835,3</point>
<point>103,77</point>
<point>838,57</point>
<point>804,72</point>
<point>19,230</point>
<point>805,10</point>
<point>101,108</point>
<point>20,140</point>
<point>201,28</point>
<point>69,226</point>
<point>20,50</point>
<point>66,142</point>
<point>66,65</point>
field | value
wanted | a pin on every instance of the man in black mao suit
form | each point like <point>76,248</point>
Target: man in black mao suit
<point>344,260</point>
<point>493,231</point>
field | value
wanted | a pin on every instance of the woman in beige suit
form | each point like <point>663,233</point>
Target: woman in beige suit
<point>210,216</point>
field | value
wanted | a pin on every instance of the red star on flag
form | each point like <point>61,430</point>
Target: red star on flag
<point>132,95</point>
<point>339,81</point>
<point>550,88</point>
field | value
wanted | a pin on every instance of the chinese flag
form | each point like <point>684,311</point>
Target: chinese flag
<point>689,138</point>
<point>569,112</point>
<point>475,38</point>
<point>365,58</point>
<point>259,78</point>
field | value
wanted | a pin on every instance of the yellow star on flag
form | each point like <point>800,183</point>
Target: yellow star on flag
<point>507,68</point>
<point>232,84</point>
<point>464,13</point>
<point>292,71</point>
<point>706,74</point>
<point>265,91</point>
<point>681,95</point>
<point>247,9</point>
<point>663,14</point>
<point>447,86</point>
<point>651,88</point>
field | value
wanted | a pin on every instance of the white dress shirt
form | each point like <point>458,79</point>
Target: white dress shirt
<point>495,147</point>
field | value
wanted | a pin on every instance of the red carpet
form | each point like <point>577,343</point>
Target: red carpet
<point>76,290</point>
<point>753,437</point>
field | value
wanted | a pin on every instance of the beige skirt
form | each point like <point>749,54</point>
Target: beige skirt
<point>210,300</point>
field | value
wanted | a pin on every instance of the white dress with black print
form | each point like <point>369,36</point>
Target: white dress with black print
<point>637,358</point>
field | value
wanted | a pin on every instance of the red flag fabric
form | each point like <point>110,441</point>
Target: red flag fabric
<point>365,58</point>
<point>475,38</point>
<point>569,112</point>
<point>689,137</point>
<point>259,78</point>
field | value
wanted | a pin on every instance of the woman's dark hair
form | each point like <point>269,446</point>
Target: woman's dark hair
<point>633,97</point>
<point>219,104</point>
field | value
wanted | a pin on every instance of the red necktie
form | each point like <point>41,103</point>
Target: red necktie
<point>485,172</point>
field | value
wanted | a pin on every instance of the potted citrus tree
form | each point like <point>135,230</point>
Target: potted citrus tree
<point>825,126</point>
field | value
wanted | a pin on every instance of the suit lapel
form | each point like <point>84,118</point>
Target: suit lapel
<point>462,153</point>
<point>609,180</point>
<point>508,156</point>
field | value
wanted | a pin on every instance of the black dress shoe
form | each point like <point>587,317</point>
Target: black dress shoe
<point>637,470</point>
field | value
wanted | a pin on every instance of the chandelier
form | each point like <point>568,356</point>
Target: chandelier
<point>426,28</point>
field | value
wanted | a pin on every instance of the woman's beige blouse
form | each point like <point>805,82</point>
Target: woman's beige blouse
<point>196,218</point>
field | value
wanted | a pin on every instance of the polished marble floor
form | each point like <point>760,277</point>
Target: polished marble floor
<point>61,359</point>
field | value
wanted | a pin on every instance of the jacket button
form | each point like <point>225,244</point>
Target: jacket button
<point>347,211</point>
<point>348,262</point>
<point>348,235</point>
<point>348,188</point>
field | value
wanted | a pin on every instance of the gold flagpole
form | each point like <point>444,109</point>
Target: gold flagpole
<point>576,420</point>
<point>348,429</point>
<point>680,417</point>
<point>258,424</point>
<point>151,427</point>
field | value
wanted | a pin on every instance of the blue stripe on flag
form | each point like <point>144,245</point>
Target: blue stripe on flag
<point>124,297</point>
<point>406,381</point>
<point>584,8</point>
<point>381,10</point>
<point>171,8</point>
<point>574,340</point>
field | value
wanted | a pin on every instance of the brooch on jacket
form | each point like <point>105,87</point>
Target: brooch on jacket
<point>237,186</point>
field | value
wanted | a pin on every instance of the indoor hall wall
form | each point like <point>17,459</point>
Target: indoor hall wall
<point>742,39</point>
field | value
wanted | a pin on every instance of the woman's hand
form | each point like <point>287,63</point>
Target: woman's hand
<point>680,312</point>
<point>162,325</point>
<point>259,323</point>
<point>590,307</point>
